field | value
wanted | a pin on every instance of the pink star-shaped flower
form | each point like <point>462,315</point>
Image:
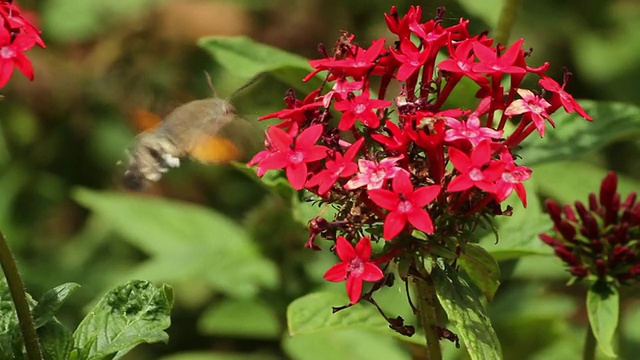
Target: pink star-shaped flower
<point>374,174</point>
<point>362,108</point>
<point>292,154</point>
<point>340,167</point>
<point>355,267</point>
<point>470,130</point>
<point>478,170</point>
<point>405,205</point>
<point>534,106</point>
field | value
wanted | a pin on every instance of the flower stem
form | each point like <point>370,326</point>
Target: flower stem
<point>508,15</point>
<point>589,350</point>
<point>16,287</point>
<point>427,306</point>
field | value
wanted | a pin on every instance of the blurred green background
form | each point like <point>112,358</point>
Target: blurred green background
<point>104,60</point>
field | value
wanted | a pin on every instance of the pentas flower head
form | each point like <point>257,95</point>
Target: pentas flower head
<point>601,240</point>
<point>426,172</point>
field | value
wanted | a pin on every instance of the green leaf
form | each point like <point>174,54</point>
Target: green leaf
<point>131,314</point>
<point>50,302</point>
<point>56,340</point>
<point>603,306</point>
<point>244,57</point>
<point>344,344</point>
<point>518,233</point>
<point>575,137</point>
<point>185,242</point>
<point>210,355</point>
<point>482,268</point>
<point>551,180</point>
<point>240,318</point>
<point>466,314</point>
<point>62,23</point>
<point>312,314</point>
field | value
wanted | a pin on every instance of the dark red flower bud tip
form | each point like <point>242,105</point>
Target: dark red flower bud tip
<point>554,210</point>
<point>608,189</point>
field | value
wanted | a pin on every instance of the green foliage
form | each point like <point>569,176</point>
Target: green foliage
<point>235,279</point>
<point>185,241</point>
<point>603,309</point>
<point>131,314</point>
<point>244,57</point>
<point>467,314</point>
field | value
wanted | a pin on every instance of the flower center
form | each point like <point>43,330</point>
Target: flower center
<point>356,267</point>
<point>405,206</point>
<point>360,108</point>
<point>378,175</point>
<point>414,63</point>
<point>476,174</point>
<point>296,157</point>
<point>7,52</point>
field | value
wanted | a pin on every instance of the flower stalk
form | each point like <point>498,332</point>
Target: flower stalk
<point>19,297</point>
<point>427,312</point>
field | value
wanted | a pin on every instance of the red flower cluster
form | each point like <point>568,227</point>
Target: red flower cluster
<point>420,165</point>
<point>601,240</point>
<point>17,35</point>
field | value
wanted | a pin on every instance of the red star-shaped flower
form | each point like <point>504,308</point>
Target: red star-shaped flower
<point>405,205</point>
<point>340,167</point>
<point>355,267</point>
<point>11,54</point>
<point>293,154</point>
<point>562,97</point>
<point>512,178</point>
<point>362,108</point>
<point>411,59</point>
<point>478,170</point>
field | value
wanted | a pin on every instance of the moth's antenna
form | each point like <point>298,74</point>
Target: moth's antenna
<point>210,83</point>
<point>251,81</point>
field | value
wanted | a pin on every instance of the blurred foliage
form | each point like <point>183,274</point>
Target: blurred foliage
<point>237,261</point>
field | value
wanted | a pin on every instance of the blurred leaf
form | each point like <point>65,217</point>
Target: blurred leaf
<point>246,58</point>
<point>487,10</point>
<point>185,241</point>
<point>50,302</point>
<point>568,182</point>
<point>131,314</point>
<point>204,355</point>
<point>312,314</point>
<point>344,344</point>
<point>518,233</point>
<point>466,314</point>
<point>603,306</point>
<point>575,137</point>
<point>63,23</point>
<point>56,340</point>
<point>482,268</point>
<point>241,319</point>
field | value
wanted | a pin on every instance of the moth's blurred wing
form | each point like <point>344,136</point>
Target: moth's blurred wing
<point>143,120</point>
<point>228,139</point>
<point>215,149</point>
